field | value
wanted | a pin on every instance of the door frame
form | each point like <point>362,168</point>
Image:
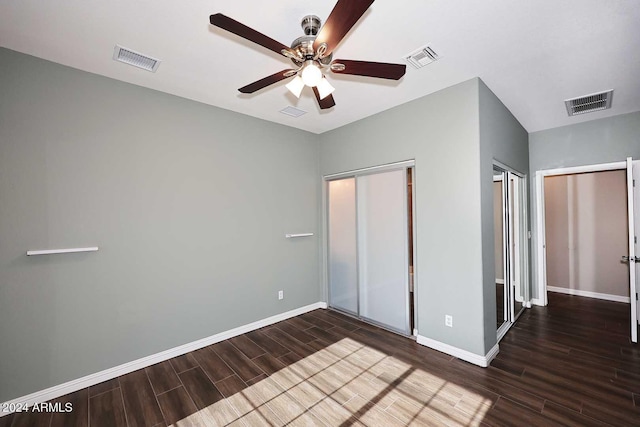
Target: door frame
<point>523,224</point>
<point>522,252</point>
<point>633,260</point>
<point>506,307</point>
<point>405,164</point>
<point>541,251</point>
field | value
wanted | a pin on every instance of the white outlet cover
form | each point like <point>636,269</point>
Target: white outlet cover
<point>448,321</point>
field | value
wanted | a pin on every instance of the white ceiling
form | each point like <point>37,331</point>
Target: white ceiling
<point>532,54</point>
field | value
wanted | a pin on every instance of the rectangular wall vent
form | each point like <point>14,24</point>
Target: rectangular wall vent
<point>588,103</point>
<point>136,59</point>
<point>293,111</point>
<point>421,57</point>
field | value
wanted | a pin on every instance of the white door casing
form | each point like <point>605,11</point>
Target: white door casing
<point>632,197</point>
<point>636,198</point>
<point>632,251</point>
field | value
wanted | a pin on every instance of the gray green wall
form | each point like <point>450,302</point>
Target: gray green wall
<point>188,203</point>
<point>502,138</point>
<point>441,132</point>
<point>611,139</point>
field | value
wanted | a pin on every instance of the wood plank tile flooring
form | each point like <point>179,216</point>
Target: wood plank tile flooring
<point>570,363</point>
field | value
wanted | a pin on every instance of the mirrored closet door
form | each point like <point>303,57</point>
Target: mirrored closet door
<point>510,236</point>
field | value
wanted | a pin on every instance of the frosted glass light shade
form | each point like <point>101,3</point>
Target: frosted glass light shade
<point>295,86</point>
<point>324,88</point>
<point>311,74</point>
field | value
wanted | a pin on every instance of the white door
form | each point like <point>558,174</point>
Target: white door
<point>633,261</point>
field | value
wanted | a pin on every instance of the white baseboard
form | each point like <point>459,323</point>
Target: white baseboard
<point>476,359</point>
<point>116,371</point>
<point>589,294</point>
<point>500,281</point>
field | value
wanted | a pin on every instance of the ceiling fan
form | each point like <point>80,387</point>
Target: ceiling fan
<point>313,52</point>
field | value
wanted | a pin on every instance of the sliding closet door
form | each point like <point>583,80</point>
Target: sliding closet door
<point>383,249</point>
<point>343,270</point>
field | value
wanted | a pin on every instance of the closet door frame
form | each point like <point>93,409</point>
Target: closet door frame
<point>403,165</point>
<point>519,257</point>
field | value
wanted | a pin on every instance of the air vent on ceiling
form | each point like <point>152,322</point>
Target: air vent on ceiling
<point>136,59</point>
<point>421,57</point>
<point>589,103</point>
<point>293,111</point>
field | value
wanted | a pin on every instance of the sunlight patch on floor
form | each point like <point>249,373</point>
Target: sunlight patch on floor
<point>347,383</point>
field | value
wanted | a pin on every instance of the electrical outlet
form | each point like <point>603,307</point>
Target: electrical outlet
<point>448,320</point>
<point>280,294</point>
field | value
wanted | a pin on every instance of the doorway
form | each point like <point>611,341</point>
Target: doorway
<point>590,223</point>
<point>370,245</point>
<point>586,234</point>
<point>510,246</point>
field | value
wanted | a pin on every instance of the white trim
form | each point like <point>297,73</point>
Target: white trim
<point>502,330</point>
<point>537,301</point>
<point>526,241</point>
<point>62,251</point>
<point>631,216</point>
<point>586,168</point>
<point>116,371</point>
<point>414,240</point>
<point>540,241</point>
<point>540,223</point>
<point>507,168</point>
<point>492,354</point>
<point>324,248</point>
<point>500,281</point>
<point>370,170</point>
<point>465,355</point>
<point>589,294</point>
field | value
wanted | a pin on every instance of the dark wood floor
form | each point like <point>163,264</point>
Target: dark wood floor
<point>499,304</point>
<point>569,363</point>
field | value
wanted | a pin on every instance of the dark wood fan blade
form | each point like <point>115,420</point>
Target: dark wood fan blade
<point>235,27</point>
<point>343,16</point>
<point>267,81</point>
<point>325,103</point>
<point>382,70</point>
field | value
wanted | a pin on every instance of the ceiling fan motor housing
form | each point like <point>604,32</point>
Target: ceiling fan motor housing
<point>304,45</point>
<point>311,25</point>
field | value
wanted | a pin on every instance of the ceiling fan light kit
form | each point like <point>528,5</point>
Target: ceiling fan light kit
<point>325,88</point>
<point>311,74</point>
<point>295,86</point>
<point>313,52</point>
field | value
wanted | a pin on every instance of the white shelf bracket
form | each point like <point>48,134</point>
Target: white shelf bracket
<point>62,251</point>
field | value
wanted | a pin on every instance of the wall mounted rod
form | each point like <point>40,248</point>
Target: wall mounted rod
<point>289,236</point>
<point>62,251</point>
